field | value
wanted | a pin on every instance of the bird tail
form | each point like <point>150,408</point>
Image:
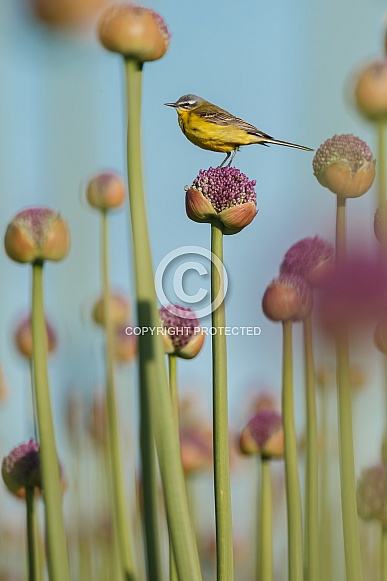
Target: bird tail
<point>287,144</point>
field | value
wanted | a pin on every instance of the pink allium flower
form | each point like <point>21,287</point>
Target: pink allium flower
<point>182,332</point>
<point>311,258</point>
<point>223,193</point>
<point>263,435</point>
<point>353,295</point>
<point>21,468</point>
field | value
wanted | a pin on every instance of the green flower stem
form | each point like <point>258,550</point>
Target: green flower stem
<point>341,235</point>
<point>58,562</point>
<point>172,369</point>
<point>383,556</point>
<point>33,548</point>
<point>265,553</point>
<point>119,496</point>
<point>311,541</point>
<point>224,543</point>
<point>382,189</point>
<point>293,496</point>
<point>33,400</point>
<point>347,465</point>
<point>325,530</point>
<point>158,421</point>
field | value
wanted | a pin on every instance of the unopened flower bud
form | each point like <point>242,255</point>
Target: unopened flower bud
<point>371,90</point>
<point>66,12</point>
<point>119,310</point>
<point>371,494</point>
<point>21,468</point>
<point>223,193</point>
<point>196,449</point>
<point>124,345</point>
<point>263,435</point>
<point>287,298</point>
<point>134,31</point>
<point>182,334</point>
<point>106,191</point>
<point>311,258</point>
<point>23,337</point>
<point>37,234</point>
<point>345,165</point>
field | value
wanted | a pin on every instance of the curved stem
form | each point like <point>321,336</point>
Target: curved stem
<point>118,490</point>
<point>265,566</point>
<point>311,553</point>
<point>58,562</point>
<point>347,465</point>
<point>293,496</point>
<point>224,544</point>
<point>158,423</point>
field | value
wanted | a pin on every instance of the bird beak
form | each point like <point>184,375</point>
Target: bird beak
<point>170,104</point>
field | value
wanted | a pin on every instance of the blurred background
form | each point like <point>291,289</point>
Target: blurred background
<point>286,67</point>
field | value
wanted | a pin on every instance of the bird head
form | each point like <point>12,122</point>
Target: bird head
<point>186,103</point>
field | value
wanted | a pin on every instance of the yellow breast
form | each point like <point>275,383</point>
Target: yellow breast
<point>211,136</point>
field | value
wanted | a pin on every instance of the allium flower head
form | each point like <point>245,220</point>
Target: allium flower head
<point>310,258</point>
<point>182,332</point>
<point>345,165</point>
<point>371,494</point>
<point>134,31</point>
<point>37,234</point>
<point>371,90</point>
<point>353,295</point>
<point>287,298</point>
<point>263,435</point>
<point>223,193</point>
<point>21,468</point>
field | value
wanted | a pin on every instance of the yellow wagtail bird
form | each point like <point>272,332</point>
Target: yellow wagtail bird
<point>210,127</point>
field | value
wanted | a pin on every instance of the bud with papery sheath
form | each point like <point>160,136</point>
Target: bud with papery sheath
<point>37,234</point>
<point>182,334</point>
<point>287,298</point>
<point>106,191</point>
<point>134,31</point>
<point>311,258</point>
<point>263,435</point>
<point>222,193</point>
<point>21,468</point>
<point>345,165</point>
<point>371,90</point>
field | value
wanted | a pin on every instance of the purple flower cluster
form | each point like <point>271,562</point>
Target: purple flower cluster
<point>342,148</point>
<point>263,425</point>
<point>225,187</point>
<point>21,468</point>
<point>179,323</point>
<point>306,255</point>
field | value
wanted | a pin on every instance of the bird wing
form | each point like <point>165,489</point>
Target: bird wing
<point>222,117</point>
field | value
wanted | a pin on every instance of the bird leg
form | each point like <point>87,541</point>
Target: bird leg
<point>225,159</point>
<point>233,155</point>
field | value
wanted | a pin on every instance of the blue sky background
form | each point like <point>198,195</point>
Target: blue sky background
<point>282,66</point>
